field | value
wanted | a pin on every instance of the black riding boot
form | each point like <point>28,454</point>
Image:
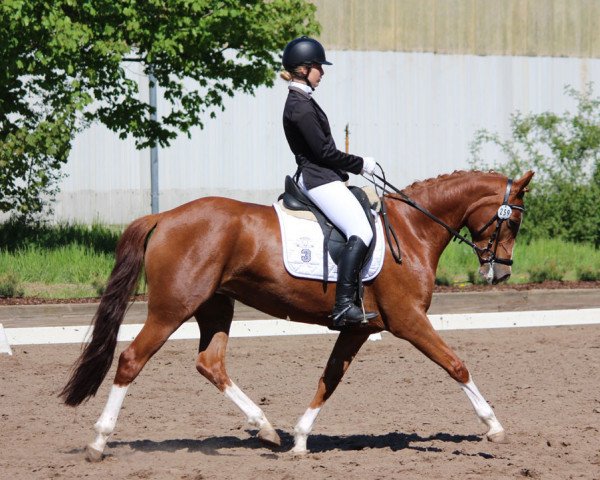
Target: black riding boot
<point>346,312</point>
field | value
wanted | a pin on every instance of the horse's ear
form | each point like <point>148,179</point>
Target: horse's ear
<point>524,181</point>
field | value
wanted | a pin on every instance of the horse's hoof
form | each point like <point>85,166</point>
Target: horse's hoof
<point>299,453</point>
<point>93,454</point>
<point>498,437</point>
<point>269,436</point>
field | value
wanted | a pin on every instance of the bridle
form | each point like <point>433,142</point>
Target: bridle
<point>485,255</point>
<point>503,214</point>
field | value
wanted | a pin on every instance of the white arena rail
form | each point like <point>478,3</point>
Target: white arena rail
<point>262,328</point>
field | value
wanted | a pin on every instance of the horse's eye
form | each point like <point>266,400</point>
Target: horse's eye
<point>514,226</point>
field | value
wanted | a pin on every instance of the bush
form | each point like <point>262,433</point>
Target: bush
<point>545,272</point>
<point>10,285</point>
<point>17,234</point>
<point>569,212</point>
<point>564,152</point>
<point>588,274</point>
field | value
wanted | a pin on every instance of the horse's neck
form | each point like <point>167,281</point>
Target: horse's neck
<point>449,200</point>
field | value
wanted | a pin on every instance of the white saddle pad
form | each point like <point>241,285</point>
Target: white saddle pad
<point>303,248</point>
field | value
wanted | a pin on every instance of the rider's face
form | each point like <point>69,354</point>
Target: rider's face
<point>315,74</point>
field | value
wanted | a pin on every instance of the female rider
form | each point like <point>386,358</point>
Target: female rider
<point>322,171</point>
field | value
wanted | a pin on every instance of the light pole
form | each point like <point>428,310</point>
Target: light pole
<point>154,148</point>
<point>152,84</point>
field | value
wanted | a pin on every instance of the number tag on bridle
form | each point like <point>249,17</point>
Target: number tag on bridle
<point>504,212</point>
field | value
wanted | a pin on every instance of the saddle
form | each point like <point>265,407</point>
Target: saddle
<point>293,198</point>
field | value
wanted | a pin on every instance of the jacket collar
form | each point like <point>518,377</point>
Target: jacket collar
<point>301,88</point>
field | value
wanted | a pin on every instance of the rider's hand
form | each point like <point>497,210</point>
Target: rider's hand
<point>368,165</point>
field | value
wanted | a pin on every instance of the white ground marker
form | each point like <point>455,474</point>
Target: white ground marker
<point>4,345</point>
<point>265,328</point>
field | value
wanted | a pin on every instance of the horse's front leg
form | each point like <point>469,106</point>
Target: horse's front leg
<point>422,335</point>
<point>344,350</point>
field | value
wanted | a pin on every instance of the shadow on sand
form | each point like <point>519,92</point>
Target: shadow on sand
<point>316,443</point>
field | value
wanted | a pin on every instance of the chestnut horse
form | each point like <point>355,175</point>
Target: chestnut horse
<point>201,256</point>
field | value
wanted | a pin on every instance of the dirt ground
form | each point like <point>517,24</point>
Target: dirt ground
<point>396,414</point>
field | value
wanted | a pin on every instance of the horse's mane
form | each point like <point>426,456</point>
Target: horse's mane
<point>419,184</point>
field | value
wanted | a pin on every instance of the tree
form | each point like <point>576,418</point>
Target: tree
<point>63,65</point>
<point>564,152</point>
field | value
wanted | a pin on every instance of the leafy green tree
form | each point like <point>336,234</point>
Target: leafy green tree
<point>564,152</point>
<point>63,65</point>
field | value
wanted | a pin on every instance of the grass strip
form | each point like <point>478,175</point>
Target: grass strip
<point>74,261</point>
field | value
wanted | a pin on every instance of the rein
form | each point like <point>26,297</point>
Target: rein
<point>485,255</point>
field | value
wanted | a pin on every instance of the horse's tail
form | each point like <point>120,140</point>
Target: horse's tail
<point>95,360</point>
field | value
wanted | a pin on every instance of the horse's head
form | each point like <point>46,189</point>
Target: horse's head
<point>494,226</point>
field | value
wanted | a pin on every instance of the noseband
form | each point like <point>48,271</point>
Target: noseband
<point>485,255</point>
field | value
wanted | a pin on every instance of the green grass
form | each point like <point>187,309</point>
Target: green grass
<point>60,261</point>
<point>74,261</point>
<point>73,270</point>
<point>70,264</point>
<point>460,263</point>
<point>10,285</point>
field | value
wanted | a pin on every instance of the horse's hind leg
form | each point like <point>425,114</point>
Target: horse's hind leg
<point>152,336</point>
<point>214,318</point>
<point>485,413</point>
<point>346,347</point>
<point>428,341</point>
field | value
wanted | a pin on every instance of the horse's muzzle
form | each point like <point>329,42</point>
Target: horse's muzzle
<point>495,273</point>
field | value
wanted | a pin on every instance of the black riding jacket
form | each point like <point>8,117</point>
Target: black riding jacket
<point>309,136</point>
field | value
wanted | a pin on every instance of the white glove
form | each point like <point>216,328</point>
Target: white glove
<point>368,165</point>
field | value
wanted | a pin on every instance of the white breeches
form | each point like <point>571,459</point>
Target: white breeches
<point>341,207</point>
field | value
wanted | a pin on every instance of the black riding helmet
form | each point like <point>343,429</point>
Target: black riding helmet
<point>303,51</point>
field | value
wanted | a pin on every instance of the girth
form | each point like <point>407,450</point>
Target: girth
<point>333,239</point>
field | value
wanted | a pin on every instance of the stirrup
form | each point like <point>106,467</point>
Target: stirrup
<point>340,319</point>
